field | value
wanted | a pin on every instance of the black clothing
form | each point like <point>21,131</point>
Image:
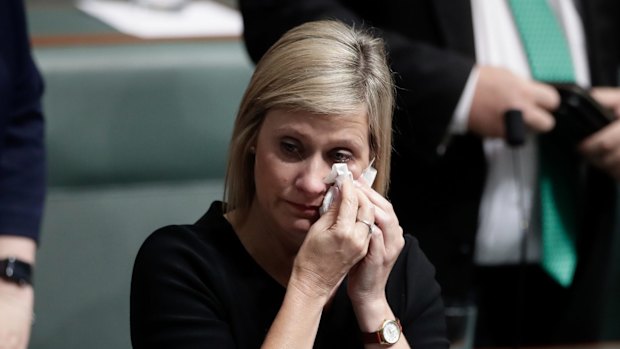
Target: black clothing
<point>22,154</point>
<point>431,50</point>
<point>195,286</point>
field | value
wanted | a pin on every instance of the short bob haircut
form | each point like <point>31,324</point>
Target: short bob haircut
<point>322,67</point>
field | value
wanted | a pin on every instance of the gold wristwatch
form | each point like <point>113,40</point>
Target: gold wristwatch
<point>388,334</point>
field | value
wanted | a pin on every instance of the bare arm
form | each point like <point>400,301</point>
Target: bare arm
<point>16,302</point>
<point>335,243</point>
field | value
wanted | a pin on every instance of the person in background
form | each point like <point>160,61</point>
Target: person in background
<point>459,67</point>
<point>22,175</point>
<point>265,268</point>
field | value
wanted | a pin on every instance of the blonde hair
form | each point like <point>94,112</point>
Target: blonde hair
<point>322,67</point>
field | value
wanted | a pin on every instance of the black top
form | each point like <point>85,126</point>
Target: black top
<point>195,286</point>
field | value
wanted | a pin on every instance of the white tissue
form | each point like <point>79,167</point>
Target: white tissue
<point>337,175</point>
<point>370,173</point>
<point>339,170</point>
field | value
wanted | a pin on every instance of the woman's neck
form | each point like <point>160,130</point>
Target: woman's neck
<point>258,239</point>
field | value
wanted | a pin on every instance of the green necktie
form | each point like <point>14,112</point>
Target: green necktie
<point>550,61</point>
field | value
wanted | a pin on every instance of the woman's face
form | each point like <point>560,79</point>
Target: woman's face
<point>295,151</point>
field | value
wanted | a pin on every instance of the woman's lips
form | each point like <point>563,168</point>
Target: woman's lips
<point>307,211</point>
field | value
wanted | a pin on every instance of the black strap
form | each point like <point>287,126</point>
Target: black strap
<point>14,270</point>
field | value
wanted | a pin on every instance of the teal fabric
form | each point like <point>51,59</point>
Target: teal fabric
<point>137,137</point>
<point>550,61</point>
<point>150,112</point>
<point>544,41</point>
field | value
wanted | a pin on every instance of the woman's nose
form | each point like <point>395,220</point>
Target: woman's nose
<point>311,177</point>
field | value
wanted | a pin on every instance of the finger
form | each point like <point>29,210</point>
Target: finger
<point>539,119</point>
<point>348,205</point>
<point>602,142</point>
<point>387,239</point>
<point>366,211</point>
<point>543,100</point>
<point>385,218</point>
<point>379,203</point>
<point>607,160</point>
<point>603,149</point>
<point>545,96</point>
<point>609,97</point>
<point>369,227</point>
<point>610,163</point>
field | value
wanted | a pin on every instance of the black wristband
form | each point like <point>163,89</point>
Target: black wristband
<point>14,270</point>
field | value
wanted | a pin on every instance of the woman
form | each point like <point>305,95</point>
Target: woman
<point>265,269</point>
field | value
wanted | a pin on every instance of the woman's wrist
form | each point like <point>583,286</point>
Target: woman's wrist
<point>16,299</point>
<point>306,290</point>
<point>19,247</point>
<point>370,315</point>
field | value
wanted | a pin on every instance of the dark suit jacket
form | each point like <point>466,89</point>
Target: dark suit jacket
<point>431,50</point>
<point>22,167</point>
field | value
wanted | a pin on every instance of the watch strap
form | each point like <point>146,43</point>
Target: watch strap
<point>377,336</point>
<point>14,270</point>
<point>371,337</point>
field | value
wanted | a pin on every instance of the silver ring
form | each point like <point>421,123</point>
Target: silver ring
<point>368,224</point>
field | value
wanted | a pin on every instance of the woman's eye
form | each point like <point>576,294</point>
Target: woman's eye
<point>341,156</point>
<point>291,149</point>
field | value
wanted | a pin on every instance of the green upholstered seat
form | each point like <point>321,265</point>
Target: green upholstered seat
<point>144,112</point>
<point>137,137</point>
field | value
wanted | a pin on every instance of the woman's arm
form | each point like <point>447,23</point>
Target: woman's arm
<point>334,244</point>
<point>16,301</point>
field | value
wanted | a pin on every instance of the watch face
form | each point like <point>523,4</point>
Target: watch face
<point>391,332</point>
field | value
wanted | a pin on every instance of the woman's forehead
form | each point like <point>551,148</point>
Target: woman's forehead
<point>303,121</point>
<point>349,131</point>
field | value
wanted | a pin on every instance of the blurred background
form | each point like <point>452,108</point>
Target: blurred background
<point>137,132</point>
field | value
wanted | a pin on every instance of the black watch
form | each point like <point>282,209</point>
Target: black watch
<point>14,270</point>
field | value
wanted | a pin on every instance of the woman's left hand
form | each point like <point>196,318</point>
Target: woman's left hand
<point>368,278</point>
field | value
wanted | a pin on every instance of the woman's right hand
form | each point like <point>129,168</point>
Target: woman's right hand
<point>334,244</point>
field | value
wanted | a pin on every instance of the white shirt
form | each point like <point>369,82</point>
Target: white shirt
<point>497,43</point>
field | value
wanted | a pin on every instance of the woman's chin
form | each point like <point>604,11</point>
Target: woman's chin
<point>300,226</point>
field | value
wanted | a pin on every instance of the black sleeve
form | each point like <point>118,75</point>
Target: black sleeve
<point>415,295</point>
<point>22,158</point>
<point>172,304</point>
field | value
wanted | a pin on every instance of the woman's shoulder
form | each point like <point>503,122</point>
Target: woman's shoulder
<point>210,234</point>
<point>414,272</point>
<point>412,249</point>
<point>413,256</point>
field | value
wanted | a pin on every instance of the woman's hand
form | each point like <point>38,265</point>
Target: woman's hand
<point>335,243</point>
<point>368,279</point>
